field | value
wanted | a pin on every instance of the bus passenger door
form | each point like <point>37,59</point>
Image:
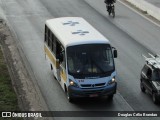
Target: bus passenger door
<point>58,69</point>
<point>60,53</point>
<point>62,66</point>
<point>59,57</point>
<point>62,73</point>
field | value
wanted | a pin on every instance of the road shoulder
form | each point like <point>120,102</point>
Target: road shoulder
<point>29,96</point>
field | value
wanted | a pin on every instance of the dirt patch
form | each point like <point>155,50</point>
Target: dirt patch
<point>29,95</point>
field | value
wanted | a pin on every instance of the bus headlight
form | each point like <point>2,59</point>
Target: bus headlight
<point>72,83</point>
<point>113,80</point>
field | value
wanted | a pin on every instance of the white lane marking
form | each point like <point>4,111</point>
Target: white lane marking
<point>139,13</point>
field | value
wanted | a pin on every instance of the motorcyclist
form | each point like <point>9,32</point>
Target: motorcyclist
<point>109,3</point>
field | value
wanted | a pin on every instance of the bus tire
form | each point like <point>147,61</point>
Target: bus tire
<point>142,87</point>
<point>69,97</point>
<point>51,67</point>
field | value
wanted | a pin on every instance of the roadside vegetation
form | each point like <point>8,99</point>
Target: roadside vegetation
<point>8,98</point>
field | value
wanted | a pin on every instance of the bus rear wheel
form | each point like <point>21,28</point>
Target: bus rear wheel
<point>51,66</point>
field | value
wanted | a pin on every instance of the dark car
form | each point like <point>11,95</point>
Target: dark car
<point>150,81</point>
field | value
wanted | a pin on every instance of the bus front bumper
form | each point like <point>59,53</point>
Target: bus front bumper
<point>92,92</point>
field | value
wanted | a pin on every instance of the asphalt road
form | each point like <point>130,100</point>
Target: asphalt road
<point>129,32</point>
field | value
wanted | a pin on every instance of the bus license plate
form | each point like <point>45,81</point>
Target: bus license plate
<point>93,95</point>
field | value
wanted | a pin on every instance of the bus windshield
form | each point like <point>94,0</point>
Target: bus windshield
<point>90,59</point>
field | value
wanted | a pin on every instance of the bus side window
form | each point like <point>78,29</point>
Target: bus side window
<point>58,49</point>
<point>60,53</point>
<point>52,46</point>
<point>54,43</point>
<point>48,38</point>
<point>46,34</point>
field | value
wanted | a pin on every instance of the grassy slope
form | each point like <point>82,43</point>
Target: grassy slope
<point>8,98</point>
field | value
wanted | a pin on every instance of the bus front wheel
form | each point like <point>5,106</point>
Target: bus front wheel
<point>70,99</point>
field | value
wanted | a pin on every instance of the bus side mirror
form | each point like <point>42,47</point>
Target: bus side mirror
<point>115,53</point>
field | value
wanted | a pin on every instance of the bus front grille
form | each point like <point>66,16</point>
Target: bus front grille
<point>92,85</point>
